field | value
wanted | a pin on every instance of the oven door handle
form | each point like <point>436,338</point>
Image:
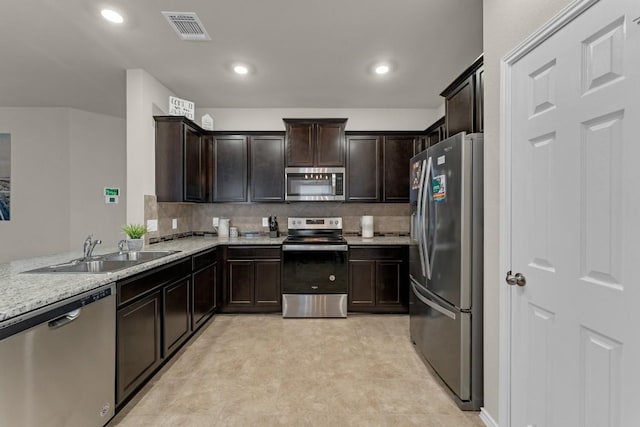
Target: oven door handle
<point>313,247</point>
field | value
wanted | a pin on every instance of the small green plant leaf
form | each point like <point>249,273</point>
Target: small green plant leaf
<point>134,231</point>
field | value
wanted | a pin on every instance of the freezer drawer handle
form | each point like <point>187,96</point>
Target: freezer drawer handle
<point>432,304</point>
<point>64,319</point>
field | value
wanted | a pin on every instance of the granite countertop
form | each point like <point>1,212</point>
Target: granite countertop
<point>23,292</point>
<point>378,240</point>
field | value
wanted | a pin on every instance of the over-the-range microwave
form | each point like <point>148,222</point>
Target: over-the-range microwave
<point>314,184</point>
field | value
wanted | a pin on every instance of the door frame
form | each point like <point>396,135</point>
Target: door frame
<point>557,22</point>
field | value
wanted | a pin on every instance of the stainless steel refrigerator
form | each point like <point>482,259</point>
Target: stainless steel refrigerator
<point>446,263</point>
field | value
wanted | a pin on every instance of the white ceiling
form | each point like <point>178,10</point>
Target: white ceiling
<point>306,53</point>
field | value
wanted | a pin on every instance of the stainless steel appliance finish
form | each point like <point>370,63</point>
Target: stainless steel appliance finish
<point>104,263</point>
<point>314,305</point>
<point>314,268</point>
<point>314,184</point>
<point>446,263</point>
<point>58,363</point>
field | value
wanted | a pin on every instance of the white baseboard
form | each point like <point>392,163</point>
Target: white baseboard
<point>487,419</point>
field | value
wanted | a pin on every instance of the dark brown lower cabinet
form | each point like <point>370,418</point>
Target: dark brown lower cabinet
<point>267,284</point>
<point>138,343</point>
<point>204,294</point>
<point>378,279</point>
<point>153,319</point>
<point>241,282</point>
<point>176,315</point>
<point>204,291</point>
<point>252,280</point>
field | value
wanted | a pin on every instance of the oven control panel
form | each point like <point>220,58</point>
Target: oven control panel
<point>330,223</point>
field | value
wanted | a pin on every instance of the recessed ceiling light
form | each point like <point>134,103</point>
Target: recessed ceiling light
<point>112,16</point>
<point>382,69</point>
<point>241,69</point>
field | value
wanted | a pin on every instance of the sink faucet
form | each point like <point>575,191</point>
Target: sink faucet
<point>89,245</point>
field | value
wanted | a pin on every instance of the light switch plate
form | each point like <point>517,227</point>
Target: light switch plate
<point>152,225</point>
<point>174,223</point>
<point>216,221</point>
<point>265,221</point>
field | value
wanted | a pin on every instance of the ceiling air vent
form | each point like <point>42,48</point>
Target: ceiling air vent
<point>187,26</point>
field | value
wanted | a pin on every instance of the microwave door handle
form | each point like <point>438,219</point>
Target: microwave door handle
<point>333,183</point>
<point>420,222</point>
<point>425,220</point>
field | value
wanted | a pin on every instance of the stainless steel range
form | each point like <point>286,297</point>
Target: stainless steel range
<point>315,270</point>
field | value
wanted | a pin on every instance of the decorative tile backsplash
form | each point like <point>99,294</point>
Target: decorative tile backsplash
<point>389,218</point>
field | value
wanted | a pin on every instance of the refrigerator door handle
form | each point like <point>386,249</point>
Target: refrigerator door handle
<point>420,222</point>
<point>432,304</point>
<point>425,219</point>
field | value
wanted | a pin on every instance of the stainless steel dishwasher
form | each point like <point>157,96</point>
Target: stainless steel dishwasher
<point>57,363</point>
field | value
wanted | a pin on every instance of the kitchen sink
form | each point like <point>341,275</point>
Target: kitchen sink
<point>104,263</point>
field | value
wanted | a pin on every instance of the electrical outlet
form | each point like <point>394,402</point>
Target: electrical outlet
<point>216,221</point>
<point>152,225</point>
<point>265,221</point>
<point>174,223</point>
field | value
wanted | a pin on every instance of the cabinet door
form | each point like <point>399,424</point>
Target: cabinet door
<point>267,168</point>
<point>300,144</point>
<point>362,281</point>
<point>169,162</point>
<point>194,162</point>
<point>230,170</point>
<point>138,344</point>
<point>363,170</point>
<point>267,283</point>
<point>240,282</point>
<point>329,144</point>
<point>479,123</point>
<point>460,108</point>
<point>388,282</point>
<point>208,167</point>
<point>176,316</point>
<point>203,294</point>
<point>398,151</point>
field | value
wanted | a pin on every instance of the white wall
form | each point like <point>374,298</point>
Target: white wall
<point>97,160</point>
<point>146,97</point>
<point>50,148</point>
<point>359,118</point>
<point>506,23</point>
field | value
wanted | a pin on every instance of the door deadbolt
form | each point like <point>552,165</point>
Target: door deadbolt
<point>332,278</point>
<point>515,279</point>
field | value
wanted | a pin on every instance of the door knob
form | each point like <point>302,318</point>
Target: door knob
<point>515,279</point>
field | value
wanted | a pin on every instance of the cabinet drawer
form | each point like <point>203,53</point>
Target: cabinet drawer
<point>377,252</point>
<point>143,283</point>
<point>204,259</point>
<point>253,252</point>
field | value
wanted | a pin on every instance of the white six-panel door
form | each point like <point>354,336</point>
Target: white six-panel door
<point>575,223</point>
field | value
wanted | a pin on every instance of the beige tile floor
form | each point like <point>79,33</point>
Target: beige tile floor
<point>263,370</point>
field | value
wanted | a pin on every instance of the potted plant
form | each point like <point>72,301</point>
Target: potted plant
<point>134,232</point>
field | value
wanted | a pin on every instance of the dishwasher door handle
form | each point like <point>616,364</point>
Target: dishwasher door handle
<point>65,319</point>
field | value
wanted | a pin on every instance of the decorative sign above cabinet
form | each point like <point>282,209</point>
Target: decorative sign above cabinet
<point>181,107</point>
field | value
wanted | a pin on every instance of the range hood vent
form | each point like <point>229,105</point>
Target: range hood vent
<point>187,26</point>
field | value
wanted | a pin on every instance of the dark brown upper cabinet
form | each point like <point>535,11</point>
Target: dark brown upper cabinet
<point>267,168</point>
<point>397,153</point>
<point>230,168</point>
<point>363,168</point>
<point>435,133</point>
<point>378,165</point>
<point>463,101</point>
<point>181,161</point>
<point>315,142</point>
